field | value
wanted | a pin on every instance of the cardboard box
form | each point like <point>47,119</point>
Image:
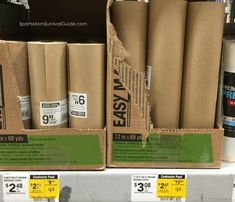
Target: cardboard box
<point>64,149</point>
<point>131,140</point>
<point>45,149</point>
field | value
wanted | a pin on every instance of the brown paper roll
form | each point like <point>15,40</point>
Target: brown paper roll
<point>18,58</point>
<point>165,56</point>
<point>86,85</point>
<point>229,55</point>
<point>205,23</point>
<point>130,21</point>
<point>47,68</point>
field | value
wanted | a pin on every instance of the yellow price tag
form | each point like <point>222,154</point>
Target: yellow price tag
<point>173,187</point>
<point>36,188</point>
<point>44,187</point>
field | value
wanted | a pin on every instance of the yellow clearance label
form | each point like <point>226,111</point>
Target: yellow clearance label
<point>44,187</point>
<point>171,187</point>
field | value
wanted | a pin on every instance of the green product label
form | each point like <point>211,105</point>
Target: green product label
<point>50,150</point>
<point>188,148</point>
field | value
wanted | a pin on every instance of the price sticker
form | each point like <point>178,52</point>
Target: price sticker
<point>53,113</point>
<point>78,105</point>
<point>25,107</point>
<point>15,188</point>
<point>171,187</point>
<point>44,188</point>
<point>143,188</point>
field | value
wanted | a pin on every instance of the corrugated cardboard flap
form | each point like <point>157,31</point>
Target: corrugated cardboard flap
<point>128,84</point>
<point>13,117</point>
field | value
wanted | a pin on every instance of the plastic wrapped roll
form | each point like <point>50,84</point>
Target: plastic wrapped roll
<point>202,64</point>
<point>48,82</point>
<point>86,86</point>
<point>165,55</point>
<point>228,68</point>
<point>18,58</point>
<point>130,21</point>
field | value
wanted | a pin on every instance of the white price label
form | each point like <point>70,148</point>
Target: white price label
<point>15,188</point>
<point>25,107</point>
<point>143,188</point>
<point>78,105</point>
<point>53,113</point>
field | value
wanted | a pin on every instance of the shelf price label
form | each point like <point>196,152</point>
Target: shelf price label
<point>143,188</point>
<point>171,187</point>
<point>150,188</point>
<point>15,188</point>
<point>44,188</point>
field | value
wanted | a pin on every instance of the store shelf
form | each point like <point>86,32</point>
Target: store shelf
<point>115,185</point>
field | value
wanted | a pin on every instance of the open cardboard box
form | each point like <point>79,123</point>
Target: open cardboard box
<point>131,141</point>
<point>46,149</point>
<point>54,149</point>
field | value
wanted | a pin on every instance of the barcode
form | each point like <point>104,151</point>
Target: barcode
<point>76,113</point>
<point>43,200</point>
<point>81,113</point>
<point>171,199</point>
<point>25,114</point>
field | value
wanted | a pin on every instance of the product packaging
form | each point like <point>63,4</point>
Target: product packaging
<point>228,71</point>
<point>18,58</point>
<point>53,147</point>
<point>48,148</point>
<point>201,64</point>
<point>86,85</point>
<point>130,19</point>
<point>48,81</point>
<point>167,20</point>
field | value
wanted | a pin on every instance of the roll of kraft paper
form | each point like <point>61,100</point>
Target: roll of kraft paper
<point>130,21</point>
<point>86,86</point>
<point>201,64</point>
<point>167,20</point>
<point>18,58</point>
<point>47,68</point>
<point>229,100</point>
